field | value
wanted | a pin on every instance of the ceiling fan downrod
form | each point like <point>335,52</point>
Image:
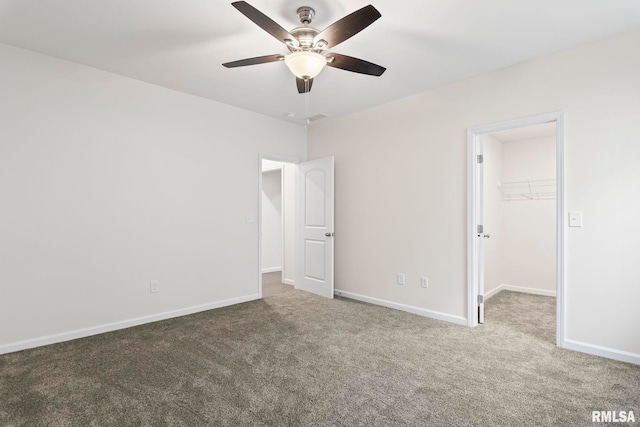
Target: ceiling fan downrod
<point>305,15</point>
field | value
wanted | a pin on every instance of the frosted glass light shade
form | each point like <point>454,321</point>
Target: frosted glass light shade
<point>305,64</point>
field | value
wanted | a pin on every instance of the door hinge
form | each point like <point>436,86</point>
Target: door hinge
<point>480,158</point>
<point>480,299</point>
<point>480,229</point>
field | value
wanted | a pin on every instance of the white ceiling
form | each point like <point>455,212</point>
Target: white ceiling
<point>181,44</point>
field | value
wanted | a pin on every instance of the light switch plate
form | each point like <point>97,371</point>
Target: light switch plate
<point>575,219</point>
<point>154,286</point>
<point>400,278</point>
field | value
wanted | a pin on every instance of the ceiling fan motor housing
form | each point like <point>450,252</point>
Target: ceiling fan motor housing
<point>305,36</point>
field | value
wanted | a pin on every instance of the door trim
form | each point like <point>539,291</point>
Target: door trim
<point>472,253</point>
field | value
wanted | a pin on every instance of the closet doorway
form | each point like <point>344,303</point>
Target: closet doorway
<point>516,215</point>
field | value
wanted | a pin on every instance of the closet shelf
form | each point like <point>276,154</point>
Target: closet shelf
<point>531,189</point>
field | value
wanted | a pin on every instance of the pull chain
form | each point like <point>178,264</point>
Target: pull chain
<point>306,102</point>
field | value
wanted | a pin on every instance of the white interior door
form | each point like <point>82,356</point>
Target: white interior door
<point>480,232</point>
<point>314,243</point>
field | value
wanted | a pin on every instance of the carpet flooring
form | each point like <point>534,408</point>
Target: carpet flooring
<point>295,359</point>
<point>272,284</point>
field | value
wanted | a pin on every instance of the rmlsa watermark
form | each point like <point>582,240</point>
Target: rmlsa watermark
<point>613,417</point>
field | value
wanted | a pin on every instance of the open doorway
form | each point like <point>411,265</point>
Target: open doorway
<point>516,213</point>
<point>306,235</point>
<point>519,218</point>
<point>277,219</point>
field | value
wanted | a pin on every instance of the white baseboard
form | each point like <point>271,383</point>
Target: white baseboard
<point>492,292</point>
<point>408,308</point>
<point>522,289</point>
<point>289,281</point>
<point>109,327</point>
<point>271,269</point>
<point>609,353</point>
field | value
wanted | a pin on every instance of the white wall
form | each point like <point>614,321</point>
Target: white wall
<point>272,220</point>
<point>401,186</point>
<point>493,246</point>
<point>529,226</point>
<point>108,183</point>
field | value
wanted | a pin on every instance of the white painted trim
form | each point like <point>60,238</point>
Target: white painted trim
<point>272,169</point>
<point>492,292</point>
<point>472,252</point>
<point>472,255</point>
<point>278,158</point>
<point>289,282</point>
<point>109,327</point>
<point>271,270</point>
<point>560,233</point>
<point>522,289</point>
<point>282,224</point>
<point>517,123</point>
<point>260,157</point>
<point>408,308</point>
<point>609,353</point>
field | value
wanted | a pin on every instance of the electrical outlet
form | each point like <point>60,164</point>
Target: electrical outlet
<point>424,281</point>
<point>400,278</point>
<point>154,286</point>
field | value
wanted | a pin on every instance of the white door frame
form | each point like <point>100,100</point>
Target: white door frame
<point>275,158</point>
<point>472,200</point>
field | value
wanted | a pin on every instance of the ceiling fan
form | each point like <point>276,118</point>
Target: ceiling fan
<point>307,44</point>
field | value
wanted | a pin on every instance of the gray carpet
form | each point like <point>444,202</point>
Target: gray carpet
<point>533,315</point>
<point>272,284</point>
<point>301,360</point>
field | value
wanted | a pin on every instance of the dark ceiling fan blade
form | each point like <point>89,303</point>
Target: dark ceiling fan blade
<point>346,27</point>
<point>254,61</point>
<point>266,23</point>
<point>356,65</point>
<point>304,86</point>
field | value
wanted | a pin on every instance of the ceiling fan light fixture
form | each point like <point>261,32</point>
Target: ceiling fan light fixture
<point>305,64</point>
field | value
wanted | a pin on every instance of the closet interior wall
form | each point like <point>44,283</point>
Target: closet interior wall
<point>520,215</point>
